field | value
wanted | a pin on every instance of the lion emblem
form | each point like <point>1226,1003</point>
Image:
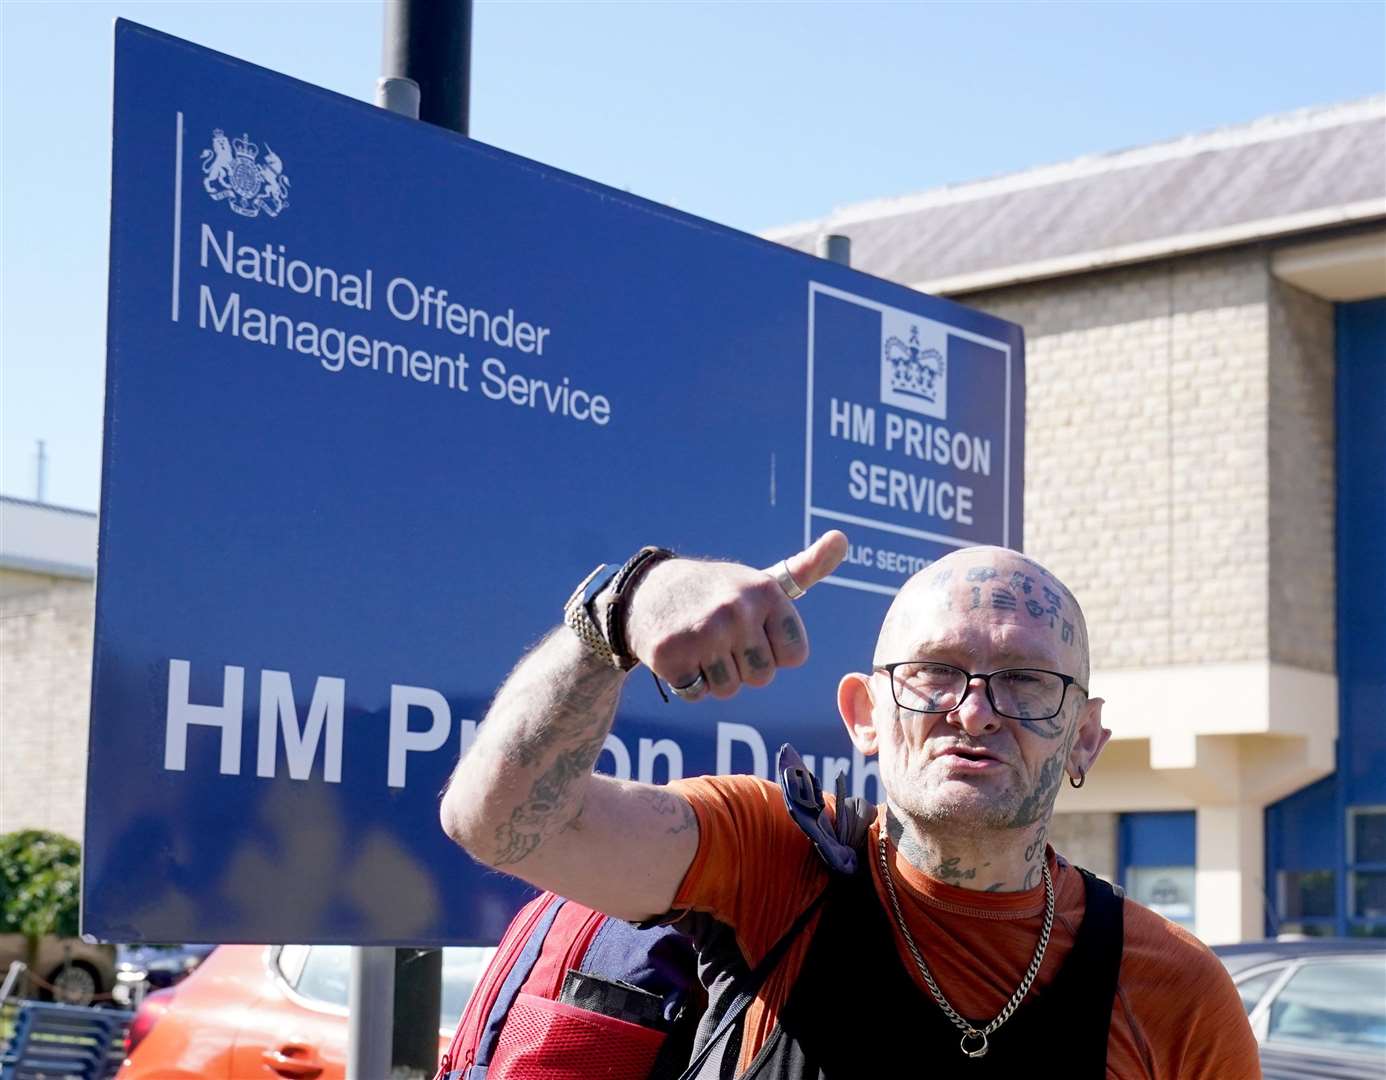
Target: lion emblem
<point>216,163</point>
<point>233,173</point>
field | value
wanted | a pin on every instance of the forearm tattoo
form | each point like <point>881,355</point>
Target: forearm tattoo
<point>542,735</point>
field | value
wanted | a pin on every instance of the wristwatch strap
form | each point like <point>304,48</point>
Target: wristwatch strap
<point>579,619</point>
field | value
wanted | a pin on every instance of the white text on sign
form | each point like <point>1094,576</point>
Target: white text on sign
<point>419,722</point>
<point>429,307</point>
<point>910,437</point>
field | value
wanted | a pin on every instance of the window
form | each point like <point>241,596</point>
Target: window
<point>1306,893</point>
<point>1307,902</point>
<point>1253,987</point>
<point>1368,834</point>
<point>326,974</point>
<point>1156,857</point>
<point>1319,928</point>
<point>1332,1003</point>
<point>462,970</point>
<point>1304,844</point>
<point>1369,894</point>
<point>1366,882</point>
<point>323,973</point>
<point>1166,890</point>
<point>290,959</point>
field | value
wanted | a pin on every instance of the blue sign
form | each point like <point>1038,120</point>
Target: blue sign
<point>378,396</point>
<point>909,435</point>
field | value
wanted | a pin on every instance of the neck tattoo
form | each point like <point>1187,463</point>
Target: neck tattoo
<point>977,1037</point>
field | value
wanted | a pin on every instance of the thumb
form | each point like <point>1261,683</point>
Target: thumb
<point>818,560</point>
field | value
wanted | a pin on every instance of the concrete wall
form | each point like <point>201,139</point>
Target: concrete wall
<point>1301,477</point>
<point>45,695</point>
<point>1146,466</point>
<point>21,582</point>
<point>1179,478</point>
<point>1179,458</point>
<point>1088,839</point>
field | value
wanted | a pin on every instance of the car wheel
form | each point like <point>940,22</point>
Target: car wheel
<point>73,984</point>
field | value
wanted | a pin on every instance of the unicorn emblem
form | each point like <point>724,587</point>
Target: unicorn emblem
<point>276,194</point>
<point>233,173</point>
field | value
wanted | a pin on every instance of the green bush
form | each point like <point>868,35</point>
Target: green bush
<point>40,883</point>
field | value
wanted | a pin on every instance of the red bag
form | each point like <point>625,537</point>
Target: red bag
<point>548,1040</point>
<point>572,993</point>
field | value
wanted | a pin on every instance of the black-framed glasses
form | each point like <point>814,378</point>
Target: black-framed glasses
<point>1020,693</point>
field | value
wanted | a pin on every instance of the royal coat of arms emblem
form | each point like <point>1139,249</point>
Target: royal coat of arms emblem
<point>913,370</point>
<point>914,364</point>
<point>232,171</point>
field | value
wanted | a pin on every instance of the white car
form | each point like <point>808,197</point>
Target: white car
<point>1317,1005</point>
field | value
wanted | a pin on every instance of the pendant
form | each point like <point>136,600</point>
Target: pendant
<point>981,1050</point>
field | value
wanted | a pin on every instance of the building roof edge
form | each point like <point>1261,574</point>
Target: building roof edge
<point>1263,129</point>
<point>1150,250</point>
<point>47,506</point>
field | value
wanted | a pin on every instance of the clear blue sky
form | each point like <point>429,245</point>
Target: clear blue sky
<point>753,114</point>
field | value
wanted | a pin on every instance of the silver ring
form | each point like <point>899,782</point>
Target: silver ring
<point>692,691</point>
<point>780,572</point>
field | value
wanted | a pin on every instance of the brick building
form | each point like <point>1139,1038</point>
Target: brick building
<point>47,565</point>
<point>1205,438</point>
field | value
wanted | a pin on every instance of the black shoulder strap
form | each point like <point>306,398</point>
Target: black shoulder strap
<point>1101,939</point>
<point>839,839</point>
<point>748,988</point>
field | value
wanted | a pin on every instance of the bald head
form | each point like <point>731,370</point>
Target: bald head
<point>1015,599</point>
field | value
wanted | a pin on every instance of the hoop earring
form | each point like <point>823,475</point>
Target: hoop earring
<point>1082,779</point>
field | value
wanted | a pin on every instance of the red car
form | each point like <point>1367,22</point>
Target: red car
<point>264,1011</point>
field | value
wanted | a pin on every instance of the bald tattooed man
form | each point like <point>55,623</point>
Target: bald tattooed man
<point>967,946</point>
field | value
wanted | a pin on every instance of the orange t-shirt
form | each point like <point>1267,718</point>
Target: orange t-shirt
<point>1177,1015</point>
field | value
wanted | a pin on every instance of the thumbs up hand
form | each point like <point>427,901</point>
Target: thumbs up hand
<point>709,627</point>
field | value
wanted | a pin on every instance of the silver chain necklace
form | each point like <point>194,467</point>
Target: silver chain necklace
<point>970,1032</point>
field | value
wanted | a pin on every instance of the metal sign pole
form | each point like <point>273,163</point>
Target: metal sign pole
<point>430,43</point>
<point>835,248</point>
<point>370,1002</point>
<point>396,994</point>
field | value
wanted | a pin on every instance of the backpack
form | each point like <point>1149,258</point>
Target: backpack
<point>572,993</point>
<point>569,987</point>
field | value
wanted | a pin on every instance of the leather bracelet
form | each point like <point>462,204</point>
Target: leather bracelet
<point>621,587</point>
<point>609,643</point>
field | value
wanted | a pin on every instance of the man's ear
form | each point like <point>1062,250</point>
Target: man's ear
<point>855,704</point>
<point>1089,740</point>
